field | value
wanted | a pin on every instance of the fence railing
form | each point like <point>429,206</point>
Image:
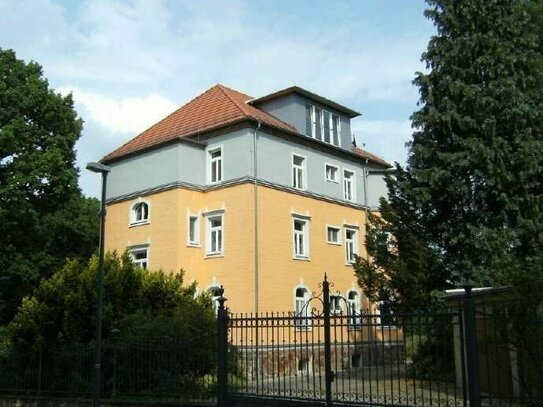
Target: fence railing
<point>157,370</point>
<point>468,355</point>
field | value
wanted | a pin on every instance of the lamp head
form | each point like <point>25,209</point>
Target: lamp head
<point>97,167</point>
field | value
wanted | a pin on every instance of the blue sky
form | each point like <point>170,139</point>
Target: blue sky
<point>128,63</point>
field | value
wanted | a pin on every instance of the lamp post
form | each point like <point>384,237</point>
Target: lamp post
<point>104,170</point>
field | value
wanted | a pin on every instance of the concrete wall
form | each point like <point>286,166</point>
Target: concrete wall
<point>377,188</point>
<point>275,165</point>
<point>161,166</point>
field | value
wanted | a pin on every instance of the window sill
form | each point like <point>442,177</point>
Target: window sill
<point>301,258</point>
<point>349,264</point>
<point>136,224</point>
<point>213,255</point>
<point>334,243</point>
<point>331,180</point>
<point>195,245</point>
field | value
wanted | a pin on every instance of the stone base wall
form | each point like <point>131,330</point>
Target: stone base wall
<point>290,361</point>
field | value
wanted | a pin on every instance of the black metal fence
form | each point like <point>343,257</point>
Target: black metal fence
<point>469,355</point>
<point>137,370</point>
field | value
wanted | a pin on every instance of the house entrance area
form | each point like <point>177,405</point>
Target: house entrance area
<point>319,355</point>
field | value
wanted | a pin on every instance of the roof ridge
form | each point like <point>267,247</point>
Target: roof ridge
<point>235,102</point>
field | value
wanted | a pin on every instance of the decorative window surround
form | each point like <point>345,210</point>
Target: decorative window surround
<point>299,176</point>
<point>140,255</point>
<point>351,244</point>
<point>193,230</point>
<point>302,310</point>
<point>215,168</point>
<point>333,235</point>
<point>300,237</point>
<point>349,192</point>
<point>214,233</point>
<point>353,309</point>
<point>331,173</point>
<point>140,213</point>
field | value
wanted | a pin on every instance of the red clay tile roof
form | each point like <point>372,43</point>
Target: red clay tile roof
<point>371,157</point>
<point>216,107</point>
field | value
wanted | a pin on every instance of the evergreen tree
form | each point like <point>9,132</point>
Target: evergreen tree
<point>469,203</point>
<point>43,217</point>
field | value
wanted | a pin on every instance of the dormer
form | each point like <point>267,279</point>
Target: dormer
<point>310,114</point>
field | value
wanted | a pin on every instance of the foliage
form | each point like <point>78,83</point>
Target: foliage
<point>138,303</point>
<point>43,217</point>
<point>469,202</point>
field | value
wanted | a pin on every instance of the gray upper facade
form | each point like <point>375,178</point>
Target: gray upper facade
<point>315,162</point>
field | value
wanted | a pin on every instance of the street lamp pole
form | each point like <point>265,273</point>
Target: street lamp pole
<point>104,170</point>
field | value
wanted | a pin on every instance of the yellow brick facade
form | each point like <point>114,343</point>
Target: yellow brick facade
<point>166,235</point>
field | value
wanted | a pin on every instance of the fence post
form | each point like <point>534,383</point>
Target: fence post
<point>472,350</point>
<point>40,370</point>
<point>329,374</point>
<point>222,350</point>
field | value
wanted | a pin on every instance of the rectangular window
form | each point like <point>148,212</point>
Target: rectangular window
<point>140,256</point>
<point>194,226</point>
<point>298,172</point>
<point>309,120</point>
<point>317,123</point>
<point>348,185</point>
<point>215,165</point>
<point>335,304</point>
<point>332,235</point>
<point>351,245</point>
<point>322,124</point>
<point>300,238</point>
<point>331,173</point>
<point>335,129</point>
<point>215,235</point>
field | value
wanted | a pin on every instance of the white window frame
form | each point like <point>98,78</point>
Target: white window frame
<point>336,307</point>
<point>313,121</point>
<point>302,169</point>
<point>338,229</point>
<point>196,241</point>
<point>211,162</point>
<point>134,250</point>
<point>304,236</point>
<point>210,216</point>
<point>336,179</point>
<point>348,250</point>
<point>133,216</point>
<point>302,310</point>
<point>351,197</point>
<point>354,309</point>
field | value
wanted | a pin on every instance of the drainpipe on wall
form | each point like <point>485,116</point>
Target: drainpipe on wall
<point>255,197</point>
<point>365,172</point>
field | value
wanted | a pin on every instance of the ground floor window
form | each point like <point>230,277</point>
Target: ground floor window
<point>140,256</point>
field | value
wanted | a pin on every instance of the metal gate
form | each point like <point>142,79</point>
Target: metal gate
<point>330,353</point>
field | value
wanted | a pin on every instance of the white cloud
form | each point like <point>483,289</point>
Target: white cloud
<point>385,138</point>
<point>126,115</point>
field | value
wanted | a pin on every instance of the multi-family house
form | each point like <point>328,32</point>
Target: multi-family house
<point>260,195</point>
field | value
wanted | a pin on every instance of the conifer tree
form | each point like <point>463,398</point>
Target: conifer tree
<point>469,203</point>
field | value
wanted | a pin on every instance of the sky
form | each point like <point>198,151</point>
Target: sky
<point>128,63</point>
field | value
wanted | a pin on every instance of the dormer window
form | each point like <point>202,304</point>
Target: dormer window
<point>139,213</point>
<point>322,125</point>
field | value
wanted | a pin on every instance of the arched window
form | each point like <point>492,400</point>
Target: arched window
<point>353,302</point>
<point>139,213</point>
<point>301,308</point>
